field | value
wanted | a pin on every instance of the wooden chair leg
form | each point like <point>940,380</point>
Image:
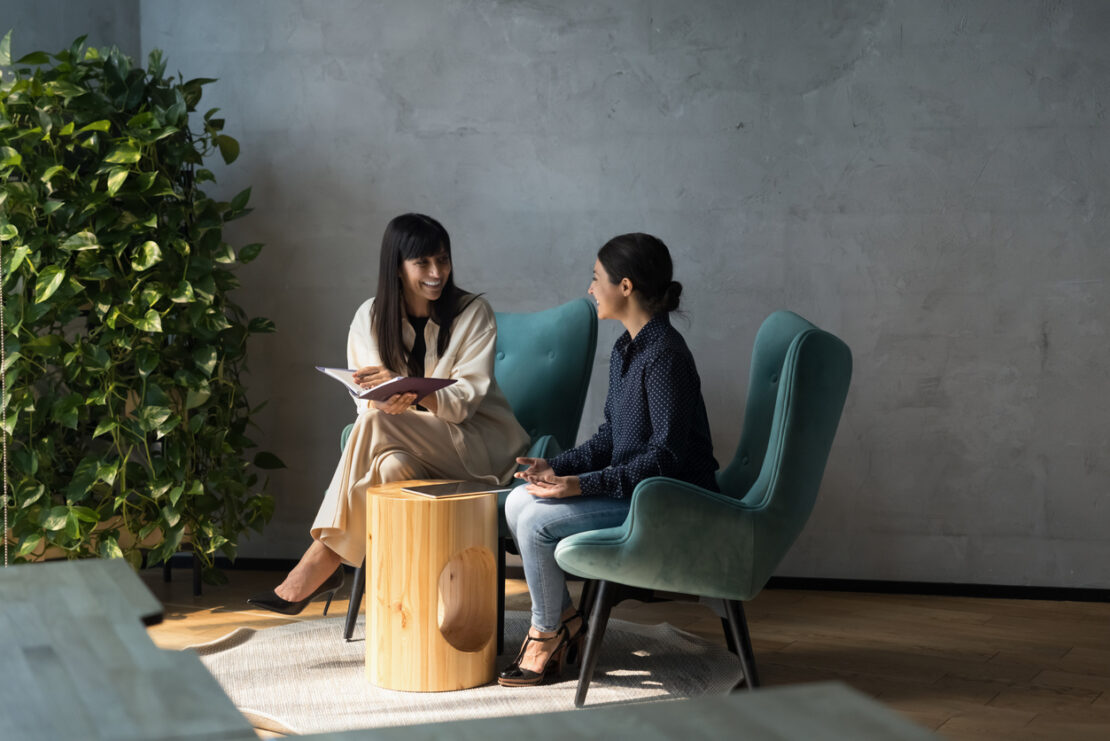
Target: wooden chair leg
<point>357,590</point>
<point>599,618</point>
<point>738,631</point>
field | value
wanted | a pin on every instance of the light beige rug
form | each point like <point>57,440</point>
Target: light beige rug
<point>304,678</point>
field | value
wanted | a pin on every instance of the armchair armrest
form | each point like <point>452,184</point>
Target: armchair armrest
<point>544,446</point>
<point>659,546</point>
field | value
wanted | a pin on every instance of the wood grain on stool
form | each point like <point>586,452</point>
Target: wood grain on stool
<point>431,590</point>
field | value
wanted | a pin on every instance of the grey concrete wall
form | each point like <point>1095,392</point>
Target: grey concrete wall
<point>930,181</point>
<point>52,25</point>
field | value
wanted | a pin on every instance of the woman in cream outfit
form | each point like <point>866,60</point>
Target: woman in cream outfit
<point>420,323</point>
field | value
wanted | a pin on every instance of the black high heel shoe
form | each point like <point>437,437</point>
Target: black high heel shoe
<point>270,600</point>
<point>516,676</point>
<point>574,642</point>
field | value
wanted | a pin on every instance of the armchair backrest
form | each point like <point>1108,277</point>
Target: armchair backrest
<point>542,364</point>
<point>799,381</point>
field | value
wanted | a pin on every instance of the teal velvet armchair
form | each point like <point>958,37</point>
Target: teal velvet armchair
<point>683,539</point>
<point>542,363</point>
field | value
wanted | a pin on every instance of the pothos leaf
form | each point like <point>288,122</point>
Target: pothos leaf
<point>150,322</point>
<point>124,154</point>
<point>6,50</point>
<point>148,255</point>
<point>49,280</point>
<point>229,148</point>
<point>84,240</point>
<point>116,176</point>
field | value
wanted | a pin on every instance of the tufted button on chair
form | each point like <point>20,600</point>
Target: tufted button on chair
<point>683,539</point>
<point>542,364</point>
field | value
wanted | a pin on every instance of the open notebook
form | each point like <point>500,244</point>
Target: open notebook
<point>399,385</point>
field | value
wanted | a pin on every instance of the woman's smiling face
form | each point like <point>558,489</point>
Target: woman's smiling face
<point>610,297</point>
<point>423,280</point>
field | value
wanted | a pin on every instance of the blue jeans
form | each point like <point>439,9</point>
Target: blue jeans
<point>537,526</point>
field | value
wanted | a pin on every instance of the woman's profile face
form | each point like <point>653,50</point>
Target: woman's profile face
<point>609,296</point>
<point>423,279</point>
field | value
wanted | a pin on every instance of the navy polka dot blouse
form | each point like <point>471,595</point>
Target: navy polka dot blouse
<point>655,420</point>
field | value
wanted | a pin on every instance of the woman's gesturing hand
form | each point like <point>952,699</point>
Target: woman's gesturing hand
<point>542,481</point>
<point>555,487</point>
<point>537,468</point>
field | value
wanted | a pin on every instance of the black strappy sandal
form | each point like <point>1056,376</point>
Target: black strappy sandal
<point>516,676</point>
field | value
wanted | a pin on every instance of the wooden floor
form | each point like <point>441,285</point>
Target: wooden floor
<point>967,668</point>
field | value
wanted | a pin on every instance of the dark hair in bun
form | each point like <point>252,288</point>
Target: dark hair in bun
<point>646,262</point>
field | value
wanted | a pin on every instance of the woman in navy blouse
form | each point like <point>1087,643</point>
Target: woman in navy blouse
<point>655,425</point>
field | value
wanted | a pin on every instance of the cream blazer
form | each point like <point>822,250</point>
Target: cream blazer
<point>480,419</point>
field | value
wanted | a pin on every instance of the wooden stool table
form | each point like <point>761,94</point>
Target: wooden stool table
<point>431,589</point>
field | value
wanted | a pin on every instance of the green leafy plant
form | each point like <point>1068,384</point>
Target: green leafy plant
<point>125,409</point>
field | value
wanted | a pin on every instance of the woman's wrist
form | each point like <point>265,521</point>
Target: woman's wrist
<point>583,483</point>
<point>430,402</point>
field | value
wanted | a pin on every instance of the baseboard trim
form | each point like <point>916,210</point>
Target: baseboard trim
<point>185,561</point>
<point>989,591</point>
<point>876,586</point>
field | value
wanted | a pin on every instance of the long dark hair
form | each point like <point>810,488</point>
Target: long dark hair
<point>646,262</point>
<point>408,237</point>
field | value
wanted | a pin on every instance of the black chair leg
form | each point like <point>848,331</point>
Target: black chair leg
<point>599,618</point>
<point>196,575</point>
<point>738,632</point>
<point>167,573</point>
<point>357,590</point>
<point>731,644</point>
<point>500,596</point>
<point>588,597</point>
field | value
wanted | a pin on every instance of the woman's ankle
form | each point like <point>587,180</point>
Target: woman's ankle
<point>572,620</point>
<point>305,577</point>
